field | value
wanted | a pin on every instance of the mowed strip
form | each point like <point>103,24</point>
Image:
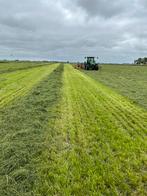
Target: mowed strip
<point>18,83</point>
<point>23,130</point>
<point>98,144</point>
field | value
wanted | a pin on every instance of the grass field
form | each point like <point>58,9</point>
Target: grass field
<point>14,66</point>
<point>130,81</point>
<point>19,82</point>
<point>71,135</point>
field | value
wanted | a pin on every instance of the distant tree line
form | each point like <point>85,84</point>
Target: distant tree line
<point>141,61</point>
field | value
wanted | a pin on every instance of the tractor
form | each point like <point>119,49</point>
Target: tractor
<point>90,64</point>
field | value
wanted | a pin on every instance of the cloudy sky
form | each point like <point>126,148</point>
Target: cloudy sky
<point>114,30</point>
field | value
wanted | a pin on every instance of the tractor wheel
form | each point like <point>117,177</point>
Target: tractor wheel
<point>96,67</point>
<point>86,67</point>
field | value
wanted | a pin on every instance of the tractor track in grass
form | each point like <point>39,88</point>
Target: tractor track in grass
<point>98,145</point>
<point>19,83</point>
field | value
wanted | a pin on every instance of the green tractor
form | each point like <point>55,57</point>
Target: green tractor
<point>90,64</point>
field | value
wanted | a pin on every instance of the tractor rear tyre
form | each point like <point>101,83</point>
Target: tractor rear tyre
<point>96,67</point>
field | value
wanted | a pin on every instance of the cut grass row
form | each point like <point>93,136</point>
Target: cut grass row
<point>18,83</point>
<point>23,132</point>
<point>130,81</point>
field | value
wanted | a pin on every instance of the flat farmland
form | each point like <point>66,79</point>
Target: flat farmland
<point>69,134</point>
<point>17,80</point>
<point>130,81</point>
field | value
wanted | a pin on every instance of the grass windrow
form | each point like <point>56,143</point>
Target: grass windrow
<point>22,136</point>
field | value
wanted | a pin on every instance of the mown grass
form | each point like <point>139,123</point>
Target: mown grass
<point>17,83</point>
<point>23,132</point>
<point>72,136</point>
<point>7,67</point>
<point>130,81</point>
<point>98,146</point>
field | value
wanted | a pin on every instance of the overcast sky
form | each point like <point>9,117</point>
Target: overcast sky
<point>114,30</point>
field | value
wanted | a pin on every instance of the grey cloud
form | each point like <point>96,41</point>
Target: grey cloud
<point>104,8</point>
<point>64,29</point>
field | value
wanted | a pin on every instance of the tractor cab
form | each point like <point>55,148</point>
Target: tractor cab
<point>90,63</point>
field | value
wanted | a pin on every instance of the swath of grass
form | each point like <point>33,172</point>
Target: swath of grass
<point>18,83</point>
<point>23,132</point>
<point>98,144</point>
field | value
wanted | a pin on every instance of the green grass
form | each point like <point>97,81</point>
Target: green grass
<point>7,67</point>
<point>17,83</point>
<point>98,146</point>
<point>130,81</point>
<point>72,135</point>
<point>23,134</point>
